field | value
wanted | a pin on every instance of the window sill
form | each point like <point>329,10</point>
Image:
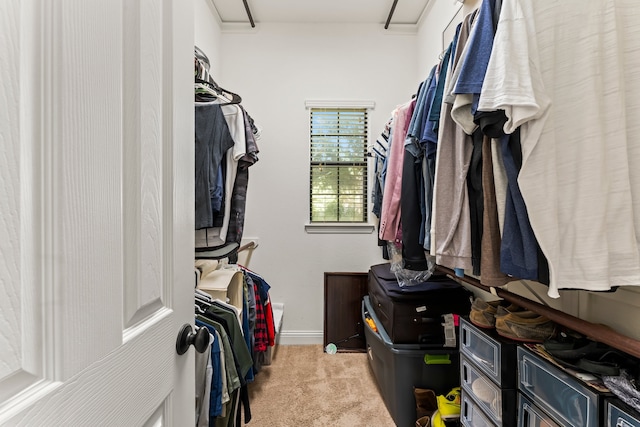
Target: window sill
<point>338,228</point>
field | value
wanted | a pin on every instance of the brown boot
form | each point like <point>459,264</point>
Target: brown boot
<point>426,402</point>
<point>423,422</point>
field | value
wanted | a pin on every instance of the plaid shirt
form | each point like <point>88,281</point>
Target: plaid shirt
<point>261,336</point>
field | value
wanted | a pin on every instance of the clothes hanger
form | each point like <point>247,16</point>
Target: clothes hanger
<point>212,88</point>
<point>217,252</point>
<point>201,56</point>
<point>252,273</point>
<point>203,298</point>
<point>203,295</point>
<point>198,309</point>
<point>204,91</point>
<point>225,305</point>
<point>201,306</point>
<point>206,84</point>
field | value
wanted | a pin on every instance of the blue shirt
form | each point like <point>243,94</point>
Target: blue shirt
<point>215,400</point>
<point>429,138</point>
<point>519,247</point>
<point>479,46</point>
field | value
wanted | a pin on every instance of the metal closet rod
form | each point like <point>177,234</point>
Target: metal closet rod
<point>594,331</point>
<point>246,8</point>
<point>253,24</point>
<point>393,8</point>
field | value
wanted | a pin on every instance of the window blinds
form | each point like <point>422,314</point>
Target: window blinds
<point>338,167</point>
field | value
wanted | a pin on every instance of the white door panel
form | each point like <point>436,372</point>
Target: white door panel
<point>143,151</point>
<point>22,363</point>
<point>114,391</point>
<point>96,212</point>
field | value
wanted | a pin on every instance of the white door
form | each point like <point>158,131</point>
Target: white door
<point>96,212</point>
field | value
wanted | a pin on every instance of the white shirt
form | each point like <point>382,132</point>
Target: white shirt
<point>568,73</point>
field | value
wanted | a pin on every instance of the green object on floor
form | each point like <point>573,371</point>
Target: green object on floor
<point>437,359</point>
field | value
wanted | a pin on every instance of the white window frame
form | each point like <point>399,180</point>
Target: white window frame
<point>339,227</point>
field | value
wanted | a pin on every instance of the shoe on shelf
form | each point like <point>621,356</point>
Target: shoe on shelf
<point>525,326</point>
<point>449,405</point>
<point>511,308</point>
<point>483,313</point>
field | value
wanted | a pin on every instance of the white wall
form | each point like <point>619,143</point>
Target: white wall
<point>207,33</point>
<point>437,27</point>
<point>275,69</point>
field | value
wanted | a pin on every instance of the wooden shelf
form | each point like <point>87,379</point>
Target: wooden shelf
<point>594,331</point>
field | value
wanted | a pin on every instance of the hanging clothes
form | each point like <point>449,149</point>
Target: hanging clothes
<point>212,141</point>
<point>204,380</point>
<point>450,228</point>
<point>453,160</point>
<point>390,212</point>
<point>490,272</point>
<point>226,146</point>
<point>224,151</point>
<point>575,149</point>
<point>239,192</point>
<point>216,234</point>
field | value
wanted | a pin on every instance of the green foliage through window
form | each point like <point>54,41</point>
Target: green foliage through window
<point>338,165</point>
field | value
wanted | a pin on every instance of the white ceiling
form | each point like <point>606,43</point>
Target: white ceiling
<point>328,11</point>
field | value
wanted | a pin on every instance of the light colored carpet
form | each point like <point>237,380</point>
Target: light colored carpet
<point>304,386</point>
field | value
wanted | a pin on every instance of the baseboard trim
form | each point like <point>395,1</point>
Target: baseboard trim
<point>300,337</point>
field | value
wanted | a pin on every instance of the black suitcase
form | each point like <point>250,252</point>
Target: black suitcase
<point>413,314</point>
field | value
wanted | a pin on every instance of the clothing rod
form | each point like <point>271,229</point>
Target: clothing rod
<point>246,8</point>
<point>594,331</point>
<point>252,244</point>
<point>393,8</point>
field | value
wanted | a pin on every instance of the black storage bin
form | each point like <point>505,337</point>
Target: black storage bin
<point>401,367</point>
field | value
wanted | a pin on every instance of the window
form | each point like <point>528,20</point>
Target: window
<point>338,169</point>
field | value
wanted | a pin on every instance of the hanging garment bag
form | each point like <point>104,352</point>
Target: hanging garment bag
<point>413,314</point>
